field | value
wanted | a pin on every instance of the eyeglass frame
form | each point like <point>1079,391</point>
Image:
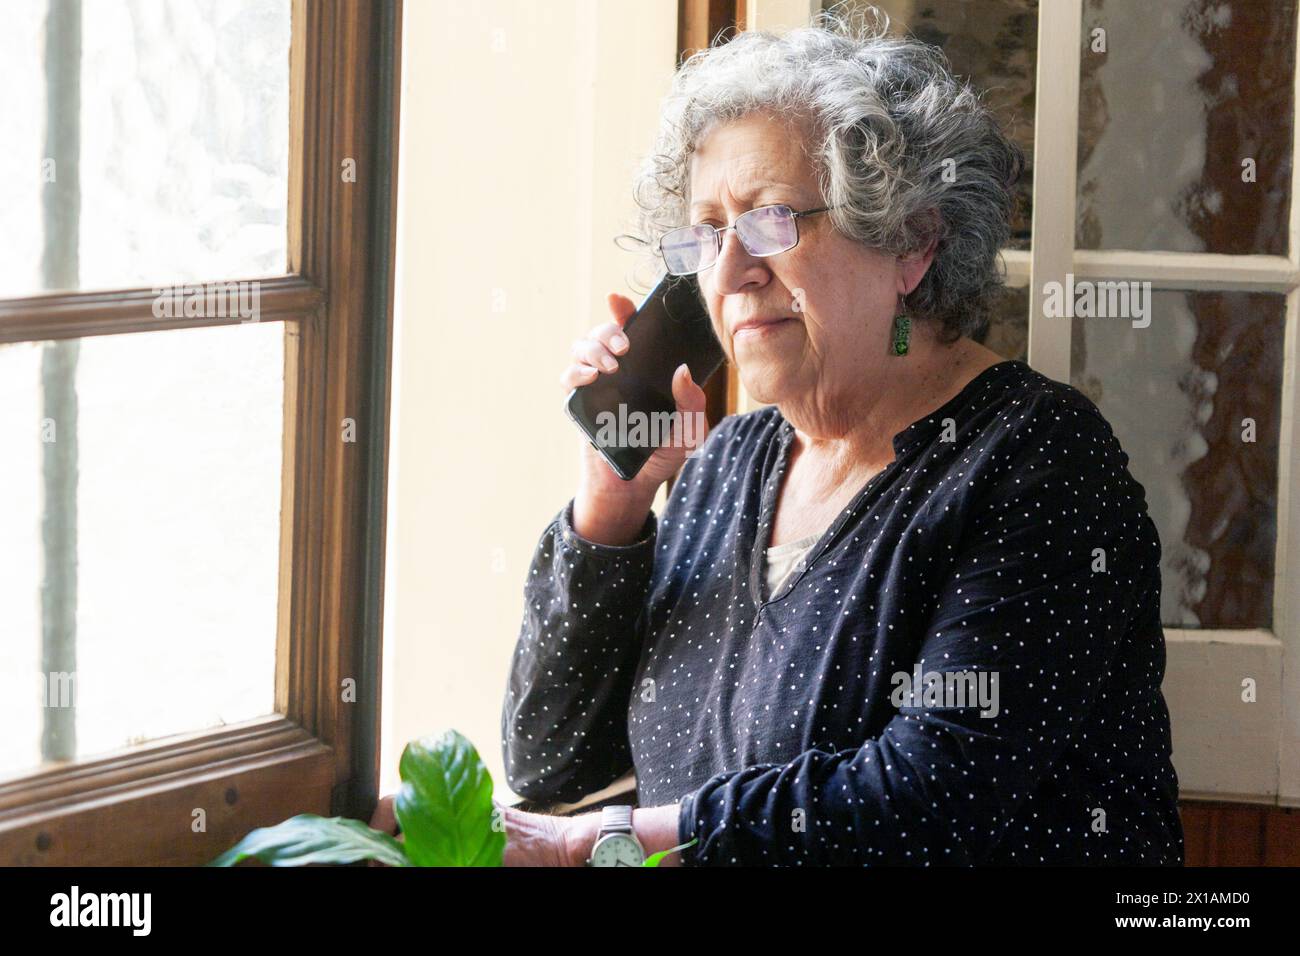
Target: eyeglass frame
<point>795,216</point>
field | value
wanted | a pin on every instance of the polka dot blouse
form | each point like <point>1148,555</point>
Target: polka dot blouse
<point>964,669</point>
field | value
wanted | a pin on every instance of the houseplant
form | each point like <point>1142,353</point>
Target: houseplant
<point>444,807</point>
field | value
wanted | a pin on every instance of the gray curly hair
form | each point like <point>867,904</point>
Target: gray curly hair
<point>897,138</point>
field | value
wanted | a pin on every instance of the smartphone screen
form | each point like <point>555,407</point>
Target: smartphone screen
<point>671,326</point>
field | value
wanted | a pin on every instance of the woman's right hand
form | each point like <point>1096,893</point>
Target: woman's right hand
<point>384,819</point>
<point>607,509</point>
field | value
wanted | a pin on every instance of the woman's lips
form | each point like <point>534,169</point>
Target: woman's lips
<point>762,328</point>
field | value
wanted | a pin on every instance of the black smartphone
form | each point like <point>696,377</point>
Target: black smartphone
<point>623,413</point>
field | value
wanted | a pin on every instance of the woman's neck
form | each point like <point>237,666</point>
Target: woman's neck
<point>854,431</point>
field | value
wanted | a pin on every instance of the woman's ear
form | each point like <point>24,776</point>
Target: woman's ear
<point>913,266</point>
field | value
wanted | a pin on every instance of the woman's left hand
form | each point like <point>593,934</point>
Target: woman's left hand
<point>536,839</point>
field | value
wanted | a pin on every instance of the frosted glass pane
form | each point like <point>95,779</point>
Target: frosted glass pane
<point>1195,399</point>
<point>154,151</point>
<point>1185,126</point>
<point>177,516</point>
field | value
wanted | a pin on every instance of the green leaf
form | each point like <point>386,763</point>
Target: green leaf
<point>445,804</point>
<point>308,838</point>
<point>654,858</point>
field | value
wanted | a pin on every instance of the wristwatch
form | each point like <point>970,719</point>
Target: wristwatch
<point>616,843</point>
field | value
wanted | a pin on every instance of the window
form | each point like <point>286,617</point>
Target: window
<point>194,350</point>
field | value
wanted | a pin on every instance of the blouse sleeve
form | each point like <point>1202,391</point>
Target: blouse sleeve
<point>564,719</point>
<point>1054,569</point>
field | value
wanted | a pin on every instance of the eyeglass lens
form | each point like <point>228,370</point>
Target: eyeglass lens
<point>763,232</point>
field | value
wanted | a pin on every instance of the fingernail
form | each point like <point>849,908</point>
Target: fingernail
<point>618,341</point>
<point>607,363</point>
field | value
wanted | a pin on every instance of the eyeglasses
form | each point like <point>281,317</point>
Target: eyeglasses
<point>763,231</point>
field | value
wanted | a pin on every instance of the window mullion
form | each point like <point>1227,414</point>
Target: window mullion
<point>1056,138</point>
<point>1286,577</point>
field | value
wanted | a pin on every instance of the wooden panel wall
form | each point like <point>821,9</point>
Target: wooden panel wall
<point>1234,834</point>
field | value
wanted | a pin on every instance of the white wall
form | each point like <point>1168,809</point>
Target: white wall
<point>522,123</point>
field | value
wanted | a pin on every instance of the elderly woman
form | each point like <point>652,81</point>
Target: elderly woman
<point>908,613</point>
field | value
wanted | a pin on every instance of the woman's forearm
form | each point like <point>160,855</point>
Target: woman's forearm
<point>656,828</point>
<point>564,716</point>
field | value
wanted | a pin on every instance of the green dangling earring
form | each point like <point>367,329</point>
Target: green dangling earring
<point>902,329</point>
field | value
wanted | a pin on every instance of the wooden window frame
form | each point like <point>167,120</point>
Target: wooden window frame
<point>698,24</point>
<point>317,753</point>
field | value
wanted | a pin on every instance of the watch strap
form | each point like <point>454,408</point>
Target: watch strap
<point>615,819</point>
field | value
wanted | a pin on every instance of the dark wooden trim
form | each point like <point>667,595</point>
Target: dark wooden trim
<point>1235,834</point>
<point>340,364</point>
<point>68,315</point>
<point>692,26</point>
<point>699,22</point>
<point>359,798</point>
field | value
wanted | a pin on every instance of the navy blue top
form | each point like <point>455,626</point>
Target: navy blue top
<point>1003,566</point>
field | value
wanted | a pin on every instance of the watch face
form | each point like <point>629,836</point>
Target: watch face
<point>617,849</point>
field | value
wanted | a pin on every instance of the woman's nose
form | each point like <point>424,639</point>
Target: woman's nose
<point>735,268</point>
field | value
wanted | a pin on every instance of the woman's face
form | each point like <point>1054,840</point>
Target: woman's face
<point>837,298</point>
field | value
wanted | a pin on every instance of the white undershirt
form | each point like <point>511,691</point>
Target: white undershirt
<point>783,559</point>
